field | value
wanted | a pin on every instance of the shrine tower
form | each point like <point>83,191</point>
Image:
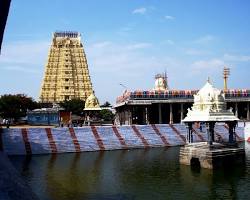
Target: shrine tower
<point>66,72</point>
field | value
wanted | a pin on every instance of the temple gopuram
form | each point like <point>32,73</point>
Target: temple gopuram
<point>66,72</point>
<point>162,105</point>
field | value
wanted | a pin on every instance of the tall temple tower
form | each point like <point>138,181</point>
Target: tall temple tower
<point>66,74</point>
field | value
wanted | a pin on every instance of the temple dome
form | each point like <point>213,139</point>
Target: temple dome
<point>209,98</point>
<point>208,90</point>
<point>209,105</point>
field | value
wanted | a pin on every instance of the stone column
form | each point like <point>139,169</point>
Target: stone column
<point>123,117</point>
<point>236,109</point>
<point>129,116</point>
<point>160,115</point>
<point>181,111</point>
<point>146,115</point>
<point>132,114</point>
<point>230,130</point>
<point>210,132</point>
<point>126,122</point>
<point>248,113</point>
<point>170,113</point>
<point>117,121</point>
<point>190,132</point>
<point>231,127</point>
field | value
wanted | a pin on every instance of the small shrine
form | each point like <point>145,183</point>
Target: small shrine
<point>92,107</point>
<point>209,108</point>
<point>92,103</point>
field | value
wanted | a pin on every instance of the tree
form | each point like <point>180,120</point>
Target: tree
<point>16,106</point>
<point>106,115</point>
<point>75,106</point>
<point>106,104</point>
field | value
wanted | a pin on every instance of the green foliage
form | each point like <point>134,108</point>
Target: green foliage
<point>16,106</point>
<point>106,104</point>
<point>106,115</point>
<point>75,106</point>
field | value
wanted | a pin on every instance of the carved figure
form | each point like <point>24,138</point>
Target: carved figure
<point>92,102</point>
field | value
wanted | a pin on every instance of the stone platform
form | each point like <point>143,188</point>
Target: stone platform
<point>211,157</point>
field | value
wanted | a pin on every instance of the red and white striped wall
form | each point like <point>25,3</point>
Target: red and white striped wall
<point>98,138</point>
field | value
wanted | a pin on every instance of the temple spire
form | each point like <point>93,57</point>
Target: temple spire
<point>66,71</point>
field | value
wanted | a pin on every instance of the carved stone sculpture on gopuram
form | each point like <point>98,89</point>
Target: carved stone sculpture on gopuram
<point>161,82</point>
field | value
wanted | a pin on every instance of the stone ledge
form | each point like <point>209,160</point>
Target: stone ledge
<point>217,156</point>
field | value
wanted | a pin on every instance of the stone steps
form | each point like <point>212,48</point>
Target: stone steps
<point>95,138</point>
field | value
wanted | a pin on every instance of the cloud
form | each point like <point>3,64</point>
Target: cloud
<point>205,39</point>
<point>127,29</point>
<point>236,58</point>
<point>141,11</point>
<point>138,46</point>
<point>24,52</point>
<point>17,68</point>
<point>133,65</point>
<point>22,66</point>
<point>170,42</point>
<point>196,52</point>
<point>169,17</point>
<point>101,44</point>
<point>207,65</point>
<point>115,56</point>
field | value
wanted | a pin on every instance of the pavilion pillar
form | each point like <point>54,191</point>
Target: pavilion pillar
<point>210,132</point>
<point>159,112</point>
<point>130,115</point>
<point>118,118</point>
<point>146,115</point>
<point>236,109</point>
<point>248,112</point>
<point>181,112</point>
<point>190,132</point>
<point>231,130</point>
<point>170,113</point>
<point>126,119</point>
<point>123,117</point>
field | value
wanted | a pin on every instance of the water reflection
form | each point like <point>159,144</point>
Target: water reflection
<point>129,174</point>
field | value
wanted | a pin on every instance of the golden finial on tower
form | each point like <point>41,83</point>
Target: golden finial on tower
<point>226,73</point>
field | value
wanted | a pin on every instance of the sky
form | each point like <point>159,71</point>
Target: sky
<point>127,42</point>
